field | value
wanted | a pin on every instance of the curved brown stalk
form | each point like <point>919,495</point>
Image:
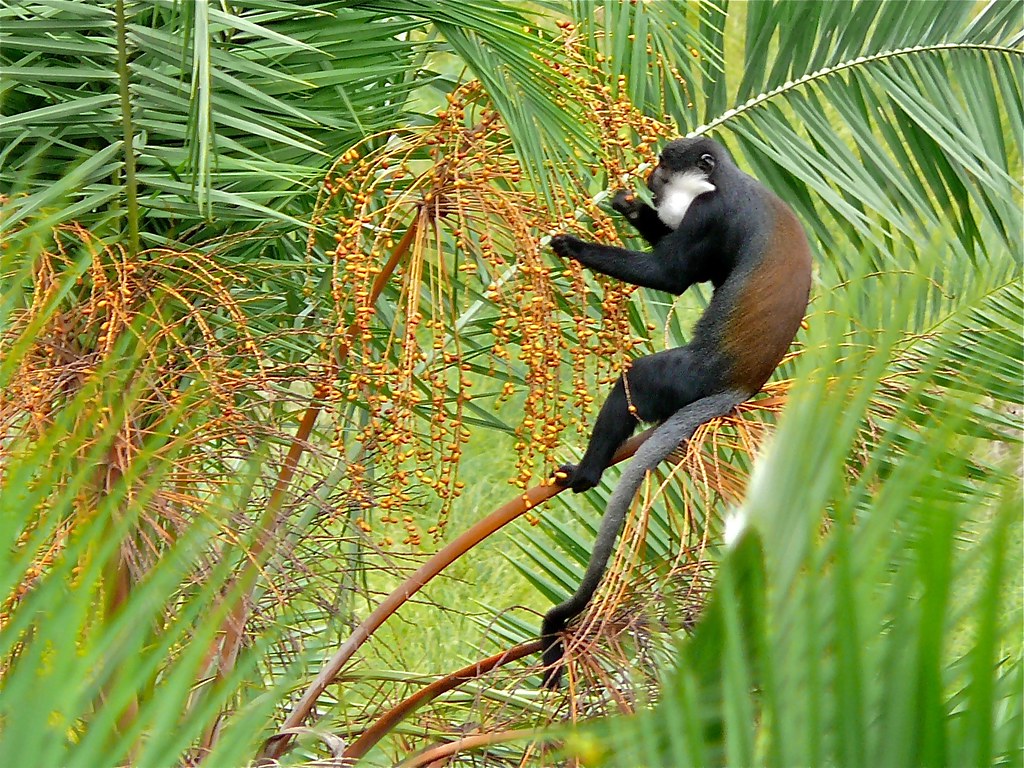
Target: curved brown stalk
<point>278,744</point>
<point>428,693</point>
<point>433,754</point>
<point>229,640</point>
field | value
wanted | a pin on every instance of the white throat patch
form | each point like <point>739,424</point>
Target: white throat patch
<point>679,193</point>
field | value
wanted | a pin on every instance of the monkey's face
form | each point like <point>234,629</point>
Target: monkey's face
<point>685,171</point>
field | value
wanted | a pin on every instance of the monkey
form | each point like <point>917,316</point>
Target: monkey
<point>710,222</point>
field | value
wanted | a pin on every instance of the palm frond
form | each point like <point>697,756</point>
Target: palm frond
<point>234,113</point>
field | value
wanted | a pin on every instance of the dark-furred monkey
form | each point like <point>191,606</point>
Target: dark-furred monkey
<point>710,222</point>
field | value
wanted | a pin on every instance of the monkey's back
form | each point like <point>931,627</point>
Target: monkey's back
<point>756,312</point>
<point>769,301</point>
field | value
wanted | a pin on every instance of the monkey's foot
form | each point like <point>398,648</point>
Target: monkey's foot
<point>561,475</point>
<point>570,476</point>
<point>566,246</point>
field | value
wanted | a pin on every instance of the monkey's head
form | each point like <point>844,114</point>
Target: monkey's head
<point>686,169</point>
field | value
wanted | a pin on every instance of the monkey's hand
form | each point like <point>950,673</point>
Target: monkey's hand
<point>627,203</point>
<point>569,476</point>
<point>567,246</point>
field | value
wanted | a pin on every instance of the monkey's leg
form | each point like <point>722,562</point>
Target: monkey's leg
<point>656,386</point>
<point>614,424</point>
<point>665,439</point>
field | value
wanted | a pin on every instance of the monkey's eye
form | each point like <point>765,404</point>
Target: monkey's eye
<point>706,163</point>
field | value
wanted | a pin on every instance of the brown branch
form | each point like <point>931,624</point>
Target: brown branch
<point>278,744</point>
<point>225,650</point>
<point>428,693</point>
<point>432,754</point>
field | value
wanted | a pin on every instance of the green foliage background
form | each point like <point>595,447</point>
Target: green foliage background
<point>867,610</point>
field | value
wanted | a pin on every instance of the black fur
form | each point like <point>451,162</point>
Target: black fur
<point>749,245</point>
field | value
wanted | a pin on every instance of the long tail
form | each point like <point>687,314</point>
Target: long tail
<point>666,438</point>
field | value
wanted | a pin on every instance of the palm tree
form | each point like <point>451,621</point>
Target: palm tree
<point>213,406</point>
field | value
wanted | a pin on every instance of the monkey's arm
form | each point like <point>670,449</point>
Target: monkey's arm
<point>643,218</point>
<point>678,427</point>
<point>634,267</point>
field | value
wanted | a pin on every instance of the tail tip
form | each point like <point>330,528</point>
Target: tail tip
<point>552,678</point>
<point>552,661</point>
